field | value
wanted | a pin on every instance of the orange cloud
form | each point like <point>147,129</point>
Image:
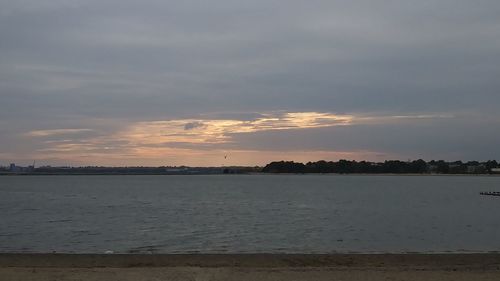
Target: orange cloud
<point>46,133</point>
<point>220,130</point>
<point>199,141</point>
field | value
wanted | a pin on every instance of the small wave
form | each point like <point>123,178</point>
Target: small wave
<point>30,209</point>
<point>58,221</point>
<point>9,234</point>
<point>149,249</point>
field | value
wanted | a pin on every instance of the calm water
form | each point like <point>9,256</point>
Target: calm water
<point>282,213</point>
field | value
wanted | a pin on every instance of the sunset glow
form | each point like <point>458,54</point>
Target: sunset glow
<point>176,82</point>
<point>202,141</point>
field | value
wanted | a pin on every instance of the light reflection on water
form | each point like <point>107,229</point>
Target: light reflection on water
<point>242,214</point>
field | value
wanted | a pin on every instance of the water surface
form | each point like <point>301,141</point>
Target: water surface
<point>248,214</point>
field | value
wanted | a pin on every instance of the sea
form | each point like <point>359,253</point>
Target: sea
<point>249,214</point>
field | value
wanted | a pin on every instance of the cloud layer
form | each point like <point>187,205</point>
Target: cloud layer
<point>403,79</point>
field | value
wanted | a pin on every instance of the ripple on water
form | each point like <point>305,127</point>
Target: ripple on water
<point>249,214</point>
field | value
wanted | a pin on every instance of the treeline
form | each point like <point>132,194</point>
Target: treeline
<point>388,167</point>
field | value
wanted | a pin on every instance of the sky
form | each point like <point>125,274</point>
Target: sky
<point>164,83</point>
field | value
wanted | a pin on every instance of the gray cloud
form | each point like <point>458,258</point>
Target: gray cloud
<point>459,138</point>
<point>193,125</point>
<point>64,64</point>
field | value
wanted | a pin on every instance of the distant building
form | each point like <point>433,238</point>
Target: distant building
<point>175,170</point>
<point>13,168</point>
<point>495,170</point>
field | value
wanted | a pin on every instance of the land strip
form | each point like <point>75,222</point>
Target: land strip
<point>250,267</point>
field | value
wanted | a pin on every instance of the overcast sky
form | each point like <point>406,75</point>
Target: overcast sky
<point>148,82</point>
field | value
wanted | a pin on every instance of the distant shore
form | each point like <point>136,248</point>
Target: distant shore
<point>418,167</point>
<point>250,174</point>
<point>250,267</point>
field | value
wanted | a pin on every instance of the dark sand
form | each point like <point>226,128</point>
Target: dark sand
<point>260,267</point>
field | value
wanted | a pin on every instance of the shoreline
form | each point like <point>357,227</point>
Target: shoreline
<point>470,261</point>
<point>255,174</point>
<point>262,267</point>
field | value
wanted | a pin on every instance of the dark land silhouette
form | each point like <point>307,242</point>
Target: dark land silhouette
<point>325,167</point>
<point>388,167</point>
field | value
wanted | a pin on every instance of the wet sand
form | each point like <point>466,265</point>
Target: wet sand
<point>260,267</point>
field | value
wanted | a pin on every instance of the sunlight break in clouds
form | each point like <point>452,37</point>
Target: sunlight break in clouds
<point>202,141</point>
<point>46,133</point>
<point>219,130</point>
<point>180,141</point>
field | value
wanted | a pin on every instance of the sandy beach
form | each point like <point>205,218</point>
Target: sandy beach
<point>250,267</point>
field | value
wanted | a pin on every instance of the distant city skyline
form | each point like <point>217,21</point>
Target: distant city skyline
<point>169,83</point>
